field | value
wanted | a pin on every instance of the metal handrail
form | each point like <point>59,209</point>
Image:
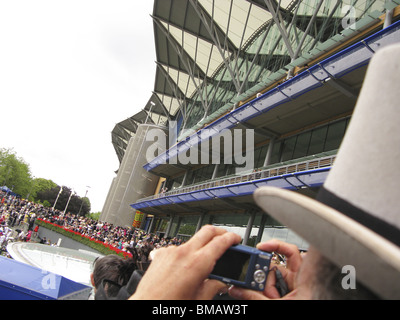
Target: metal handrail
<point>261,174</point>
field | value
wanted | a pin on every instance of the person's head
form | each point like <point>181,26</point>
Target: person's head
<point>113,269</point>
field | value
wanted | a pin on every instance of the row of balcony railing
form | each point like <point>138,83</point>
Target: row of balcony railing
<point>257,174</point>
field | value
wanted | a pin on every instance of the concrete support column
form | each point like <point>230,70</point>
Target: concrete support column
<point>388,17</point>
<point>152,223</point>
<point>249,227</point>
<point>261,229</point>
<point>214,175</point>
<point>157,222</point>
<point>178,226</point>
<point>184,178</point>
<point>167,232</point>
<point>143,223</point>
<point>200,222</point>
<point>267,160</point>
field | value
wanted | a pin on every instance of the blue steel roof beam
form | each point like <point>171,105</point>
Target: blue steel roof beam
<point>295,185</point>
<point>302,182</point>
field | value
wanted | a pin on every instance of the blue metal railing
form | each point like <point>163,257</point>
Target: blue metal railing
<point>309,173</point>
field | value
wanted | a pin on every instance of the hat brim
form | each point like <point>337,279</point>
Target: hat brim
<point>339,238</point>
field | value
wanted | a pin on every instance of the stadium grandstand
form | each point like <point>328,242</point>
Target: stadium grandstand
<point>283,75</point>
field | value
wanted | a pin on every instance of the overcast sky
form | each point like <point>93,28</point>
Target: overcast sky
<point>69,71</point>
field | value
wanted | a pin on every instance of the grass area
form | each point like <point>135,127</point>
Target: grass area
<point>97,245</point>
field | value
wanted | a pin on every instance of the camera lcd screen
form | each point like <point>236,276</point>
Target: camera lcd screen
<point>233,265</point>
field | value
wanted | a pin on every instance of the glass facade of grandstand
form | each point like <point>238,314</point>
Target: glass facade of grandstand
<point>321,140</point>
<point>257,51</point>
<point>215,57</point>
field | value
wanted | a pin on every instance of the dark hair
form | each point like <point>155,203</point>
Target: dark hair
<point>113,268</point>
<point>328,284</point>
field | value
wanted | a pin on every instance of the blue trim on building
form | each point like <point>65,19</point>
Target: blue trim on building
<point>293,181</point>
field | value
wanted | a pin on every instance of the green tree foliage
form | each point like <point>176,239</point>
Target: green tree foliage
<point>39,185</point>
<point>187,229</point>
<point>15,174</point>
<point>86,206</point>
<point>94,215</point>
<point>76,204</point>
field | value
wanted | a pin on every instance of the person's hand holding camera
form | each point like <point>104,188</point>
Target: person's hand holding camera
<point>289,274</point>
<point>181,272</point>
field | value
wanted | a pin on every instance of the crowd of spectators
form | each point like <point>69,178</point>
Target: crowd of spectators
<point>15,212</point>
<point>19,214</point>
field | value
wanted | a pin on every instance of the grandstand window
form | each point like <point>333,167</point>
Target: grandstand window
<point>288,148</point>
<point>318,139</point>
<point>335,135</point>
<point>221,170</point>
<point>276,152</point>
<point>315,141</point>
<point>259,156</point>
<point>302,145</point>
<point>203,174</point>
<point>177,182</point>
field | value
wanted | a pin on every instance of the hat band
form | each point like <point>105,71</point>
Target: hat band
<point>377,225</point>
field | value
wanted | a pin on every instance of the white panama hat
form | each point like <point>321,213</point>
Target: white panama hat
<point>356,217</point>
